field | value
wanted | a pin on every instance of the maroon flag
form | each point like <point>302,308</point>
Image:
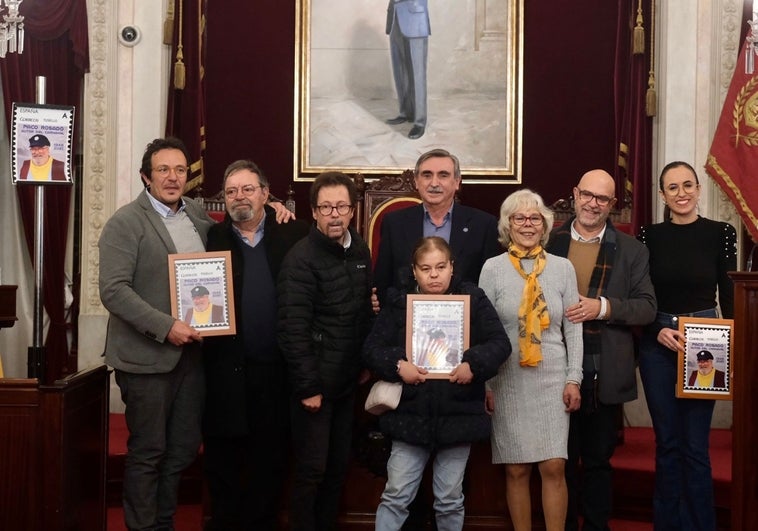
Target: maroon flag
<point>186,98</point>
<point>733,158</point>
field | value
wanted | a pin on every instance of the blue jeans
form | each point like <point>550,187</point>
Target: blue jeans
<point>405,469</point>
<point>683,497</point>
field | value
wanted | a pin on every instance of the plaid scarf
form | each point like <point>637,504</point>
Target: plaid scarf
<point>532,311</point>
<point>559,244</point>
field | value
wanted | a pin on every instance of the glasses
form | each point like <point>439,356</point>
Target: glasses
<point>688,187</point>
<point>518,219</point>
<point>342,210</point>
<point>246,191</point>
<point>587,197</point>
<point>163,171</point>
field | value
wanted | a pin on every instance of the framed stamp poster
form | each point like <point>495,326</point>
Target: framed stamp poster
<point>705,367</point>
<point>41,143</point>
<point>202,293</point>
<point>437,333</point>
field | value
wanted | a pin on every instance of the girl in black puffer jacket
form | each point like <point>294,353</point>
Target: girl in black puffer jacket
<point>434,415</point>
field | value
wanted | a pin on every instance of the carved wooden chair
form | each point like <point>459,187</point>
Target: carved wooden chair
<point>375,199</point>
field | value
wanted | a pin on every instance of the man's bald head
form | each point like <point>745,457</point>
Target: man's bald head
<point>593,201</point>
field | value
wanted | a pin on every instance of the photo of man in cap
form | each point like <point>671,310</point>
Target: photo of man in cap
<point>203,311</point>
<point>41,166</point>
<point>706,375</point>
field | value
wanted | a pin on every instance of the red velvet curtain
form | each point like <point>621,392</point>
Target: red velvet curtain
<point>56,47</point>
<point>633,126</point>
<point>186,94</point>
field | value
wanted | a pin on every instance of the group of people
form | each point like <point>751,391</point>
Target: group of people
<point>550,362</point>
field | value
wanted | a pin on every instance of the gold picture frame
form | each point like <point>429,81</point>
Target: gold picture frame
<point>437,332</point>
<point>345,91</point>
<point>202,282</point>
<point>708,342</point>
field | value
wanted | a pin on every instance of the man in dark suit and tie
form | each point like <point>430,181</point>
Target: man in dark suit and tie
<point>471,233</point>
<point>409,30</point>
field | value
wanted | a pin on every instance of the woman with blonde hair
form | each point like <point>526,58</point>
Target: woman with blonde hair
<point>534,393</point>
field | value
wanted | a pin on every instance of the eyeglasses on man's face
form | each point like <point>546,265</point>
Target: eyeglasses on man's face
<point>342,209</point>
<point>247,191</point>
<point>163,171</point>
<point>688,187</point>
<point>519,219</point>
<point>587,196</point>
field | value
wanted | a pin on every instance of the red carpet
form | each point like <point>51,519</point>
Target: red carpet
<point>188,518</point>
<point>633,463</point>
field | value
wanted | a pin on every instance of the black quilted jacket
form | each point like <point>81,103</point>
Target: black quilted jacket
<point>324,294</point>
<point>437,412</point>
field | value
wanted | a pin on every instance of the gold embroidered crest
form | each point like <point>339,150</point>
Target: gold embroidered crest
<point>746,110</point>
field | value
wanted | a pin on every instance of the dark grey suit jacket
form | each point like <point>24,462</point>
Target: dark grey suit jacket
<point>134,286</point>
<point>632,301</point>
<point>473,239</point>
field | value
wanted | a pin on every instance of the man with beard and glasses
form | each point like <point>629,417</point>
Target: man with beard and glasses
<point>245,427</point>
<point>42,166</point>
<point>615,295</point>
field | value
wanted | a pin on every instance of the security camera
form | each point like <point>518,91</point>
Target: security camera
<point>129,35</point>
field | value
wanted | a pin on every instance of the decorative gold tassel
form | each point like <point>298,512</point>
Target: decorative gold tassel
<point>168,24</point>
<point>651,105</point>
<point>638,42</point>
<point>651,98</point>
<point>180,72</point>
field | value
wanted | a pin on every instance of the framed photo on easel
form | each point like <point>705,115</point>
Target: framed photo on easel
<point>705,367</point>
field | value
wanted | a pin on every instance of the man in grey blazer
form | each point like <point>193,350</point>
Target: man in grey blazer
<point>156,357</point>
<point>409,30</point>
<point>615,294</point>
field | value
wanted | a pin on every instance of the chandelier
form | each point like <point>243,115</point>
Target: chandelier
<point>11,28</point>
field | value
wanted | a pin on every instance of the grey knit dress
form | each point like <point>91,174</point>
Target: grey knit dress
<point>530,423</point>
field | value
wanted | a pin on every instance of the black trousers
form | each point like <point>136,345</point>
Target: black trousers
<point>246,474</point>
<point>592,440</point>
<point>321,444</point>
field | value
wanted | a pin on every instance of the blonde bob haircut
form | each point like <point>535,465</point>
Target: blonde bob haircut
<point>521,200</point>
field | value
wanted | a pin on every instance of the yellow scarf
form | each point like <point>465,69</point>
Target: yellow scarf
<point>532,312</point>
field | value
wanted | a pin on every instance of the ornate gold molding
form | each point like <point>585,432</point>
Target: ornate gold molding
<point>99,118</point>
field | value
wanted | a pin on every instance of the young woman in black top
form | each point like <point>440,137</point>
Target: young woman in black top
<point>689,260</point>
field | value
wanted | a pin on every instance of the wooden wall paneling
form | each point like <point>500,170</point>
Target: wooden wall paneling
<point>745,429</point>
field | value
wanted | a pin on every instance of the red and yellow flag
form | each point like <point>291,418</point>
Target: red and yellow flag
<point>733,158</point>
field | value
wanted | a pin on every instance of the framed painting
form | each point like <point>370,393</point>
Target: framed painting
<point>705,366</point>
<point>202,293</point>
<point>41,144</point>
<point>378,83</point>
<point>437,333</point>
